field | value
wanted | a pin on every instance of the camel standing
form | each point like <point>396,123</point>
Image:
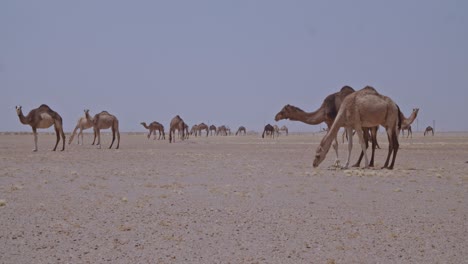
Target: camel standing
<point>43,117</point>
<point>269,130</point>
<point>364,108</point>
<point>83,123</point>
<point>276,130</point>
<point>285,129</point>
<point>194,130</point>
<point>222,130</point>
<point>203,126</point>
<point>176,124</point>
<point>153,127</point>
<point>406,122</point>
<point>104,120</point>
<point>212,128</point>
<point>241,130</point>
<point>428,130</point>
<point>326,113</point>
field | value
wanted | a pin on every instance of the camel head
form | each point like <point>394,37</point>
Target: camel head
<point>86,111</point>
<point>319,156</point>
<point>416,110</point>
<point>18,110</point>
<point>283,113</point>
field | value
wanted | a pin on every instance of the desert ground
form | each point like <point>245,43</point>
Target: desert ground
<point>234,199</point>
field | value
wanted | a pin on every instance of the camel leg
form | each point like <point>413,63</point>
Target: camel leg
<point>364,145</point>
<point>63,138</point>
<point>374,144</point>
<point>80,134</point>
<point>390,148</point>
<point>366,139</point>
<point>396,145</point>
<point>35,139</point>
<point>335,147</point>
<point>98,132</point>
<point>73,135</point>
<point>349,131</point>
<point>57,133</point>
<point>118,139</point>
<point>95,135</point>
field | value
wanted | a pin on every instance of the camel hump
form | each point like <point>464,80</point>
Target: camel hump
<point>44,107</point>
<point>347,89</point>
<point>369,89</point>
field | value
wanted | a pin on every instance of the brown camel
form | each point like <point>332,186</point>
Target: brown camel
<point>104,120</point>
<point>194,130</point>
<point>203,126</point>
<point>82,124</point>
<point>176,124</point>
<point>269,130</point>
<point>153,127</point>
<point>364,108</point>
<point>406,122</point>
<point>241,130</point>
<point>222,130</point>
<point>326,113</point>
<point>428,130</point>
<point>43,117</point>
<point>212,128</point>
<point>285,129</point>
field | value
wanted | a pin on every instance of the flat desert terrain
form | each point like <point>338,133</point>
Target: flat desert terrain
<point>234,199</point>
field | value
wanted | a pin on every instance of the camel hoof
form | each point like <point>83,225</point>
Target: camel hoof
<point>34,150</point>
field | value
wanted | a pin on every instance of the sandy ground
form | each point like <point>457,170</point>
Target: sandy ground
<point>231,200</point>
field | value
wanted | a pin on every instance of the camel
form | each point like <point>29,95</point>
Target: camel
<point>82,124</point>
<point>406,122</point>
<point>203,126</point>
<point>43,117</point>
<point>285,129</point>
<point>177,124</point>
<point>429,129</point>
<point>269,130</point>
<point>326,113</point>
<point>222,130</point>
<point>186,133</point>
<point>213,128</point>
<point>276,130</point>
<point>369,109</point>
<point>104,120</point>
<point>194,130</point>
<point>153,127</point>
<point>241,130</point>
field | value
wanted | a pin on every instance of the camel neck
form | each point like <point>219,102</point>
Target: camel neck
<point>23,119</point>
<point>311,118</point>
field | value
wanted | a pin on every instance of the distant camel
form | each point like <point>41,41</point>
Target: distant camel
<point>186,131</point>
<point>429,129</point>
<point>276,130</point>
<point>203,126</point>
<point>212,128</point>
<point>82,124</point>
<point>364,108</point>
<point>176,124</point>
<point>222,130</point>
<point>406,122</point>
<point>104,120</point>
<point>269,130</point>
<point>326,113</point>
<point>153,127</point>
<point>43,117</point>
<point>241,130</point>
<point>285,129</point>
<point>194,130</point>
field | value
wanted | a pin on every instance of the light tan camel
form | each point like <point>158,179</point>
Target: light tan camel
<point>276,130</point>
<point>203,126</point>
<point>285,129</point>
<point>104,120</point>
<point>176,124</point>
<point>82,124</point>
<point>153,127</point>
<point>428,130</point>
<point>268,130</point>
<point>42,117</point>
<point>212,128</point>
<point>222,130</point>
<point>194,130</point>
<point>406,122</point>
<point>241,130</point>
<point>326,113</point>
<point>364,108</point>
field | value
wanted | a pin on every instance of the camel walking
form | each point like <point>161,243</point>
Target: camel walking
<point>83,123</point>
<point>241,130</point>
<point>428,130</point>
<point>326,113</point>
<point>153,127</point>
<point>177,124</point>
<point>213,130</point>
<point>364,108</point>
<point>104,120</point>
<point>269,130</point>
<point>43,117</point>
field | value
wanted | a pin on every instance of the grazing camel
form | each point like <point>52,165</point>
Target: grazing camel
<point>326,113</point>
<point>276,130</point>
<point>203,126</point>
<point>104,120</point>
<point>406,122</point>
<point>222,130</point>
<point>429,129</point>
<point>83,123</point>
<point>213,128</point>
<point>194,130</point>
<point>269,130</point>
<point>364,108</point>
<point>285,129</point>
<point>153,127</point>
<point>241,130</point>
<point>176,124</point>
<point>42,117</point>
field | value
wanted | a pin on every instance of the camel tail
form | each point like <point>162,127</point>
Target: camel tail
<point>399,117</point>
<point>73,134</point>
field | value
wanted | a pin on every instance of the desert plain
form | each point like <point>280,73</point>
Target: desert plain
<point>231,199</point>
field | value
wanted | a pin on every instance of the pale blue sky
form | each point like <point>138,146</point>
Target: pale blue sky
<point>230,62</point>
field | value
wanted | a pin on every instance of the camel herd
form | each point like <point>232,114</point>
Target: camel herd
<point>360,112</point>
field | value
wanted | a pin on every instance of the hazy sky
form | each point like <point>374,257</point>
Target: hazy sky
<point>230,62</point>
